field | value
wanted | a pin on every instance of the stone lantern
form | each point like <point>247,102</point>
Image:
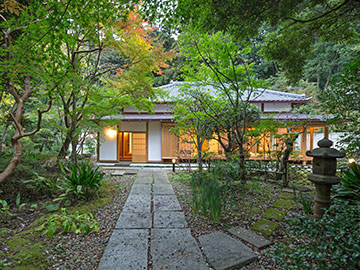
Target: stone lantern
<point>324,174</point>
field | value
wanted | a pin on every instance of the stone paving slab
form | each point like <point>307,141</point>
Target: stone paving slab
<point>118,173</point>
<point>126,250</point>
<point>254,239</point>
<point>143,180</point>
<point>225,252</point>
<point>175,249</point>
<point>141,189</point>
<point>163,189</point>
<point>166,203</point>
<point>134,221</point>
<point>169,220</point>
<point>138,203</point>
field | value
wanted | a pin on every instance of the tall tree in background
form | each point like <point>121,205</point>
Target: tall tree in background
<point>33,64</point>
<point>298,24</point>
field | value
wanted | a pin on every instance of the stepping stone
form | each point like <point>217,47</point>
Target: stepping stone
<point>252,238</point>
<point>118,173</point>
<point>163,189</point>
<point>138,203</point>
<point>286,195</point>
<point>166,203</point>
<point>275,214</point>
<point>169,220</point>
<point>175,249</point>
<point>141,189</point>
<point>134,221</point>
<point>127,249</point>
<point>265,227</point>
<point>224,252</point>
<point>283,204</point>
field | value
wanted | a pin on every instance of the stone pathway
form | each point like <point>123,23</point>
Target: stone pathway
<point>152,233</point>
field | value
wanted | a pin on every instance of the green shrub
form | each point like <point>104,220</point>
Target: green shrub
<point>208,195</point>
<point>43,185</point>
<point>350,183</point>
<point>226,170</point>
<point>69,222</point>
<point>332,242</point>
<point>82,181</point>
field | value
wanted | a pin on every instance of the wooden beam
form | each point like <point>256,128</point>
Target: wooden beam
<point>326,132</point>
<point>311,138</point>
<point>303,143</point>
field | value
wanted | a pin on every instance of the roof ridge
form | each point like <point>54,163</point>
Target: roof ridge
<point>285,93</point>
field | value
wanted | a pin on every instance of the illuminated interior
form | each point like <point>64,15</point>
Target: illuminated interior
<point>125,145</point>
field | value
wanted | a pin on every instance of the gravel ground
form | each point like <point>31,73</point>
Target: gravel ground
<point>85,251</point>
<point>242,214</point>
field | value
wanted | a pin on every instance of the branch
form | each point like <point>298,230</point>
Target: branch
<point>40,113</point>
<point>87,51</point>
<point>52,27</point>
<point>320,16</point>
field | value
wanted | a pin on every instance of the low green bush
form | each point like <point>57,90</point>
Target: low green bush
<point>333,242</point>
<point>69,222</point>
<point>43,185</point>
<point>350,183</point>
<point>81,181</point>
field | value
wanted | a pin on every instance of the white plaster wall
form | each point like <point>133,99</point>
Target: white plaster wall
<point>108,147</point>
<point>277,107</point>
<point>132,126</point>
<point>154,141</point>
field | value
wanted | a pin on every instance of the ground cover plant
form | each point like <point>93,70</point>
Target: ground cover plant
<point>40,232</point>
<point>333,242</point>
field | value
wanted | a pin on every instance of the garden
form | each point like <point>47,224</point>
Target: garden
<point>70,68</point>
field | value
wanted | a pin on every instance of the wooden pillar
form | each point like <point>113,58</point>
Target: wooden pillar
<point>311,138</point>
<point>303,143</point>
<point>326,132</point>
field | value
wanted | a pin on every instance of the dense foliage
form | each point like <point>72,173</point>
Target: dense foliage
<point>333,242</point>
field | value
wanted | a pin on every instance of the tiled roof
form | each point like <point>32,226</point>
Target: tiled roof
<point>141,117</point>
<point>272,116</point>
<point>260,95</point>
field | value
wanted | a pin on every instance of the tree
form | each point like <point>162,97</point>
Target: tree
<point>193,124</point>
<point>33,64</point>
<point>217,61</point>
<point>342,101</point>
<point>298,24</point>
<point>117,68</point>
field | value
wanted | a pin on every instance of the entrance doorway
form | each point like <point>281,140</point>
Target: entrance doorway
<point>125,146</point>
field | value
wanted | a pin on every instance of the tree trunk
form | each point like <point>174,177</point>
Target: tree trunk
<point>3,136</point>
<point>66,144</point>
<point>14,161</point>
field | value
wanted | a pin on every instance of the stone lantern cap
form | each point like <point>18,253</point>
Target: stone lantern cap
<point>325,151</point>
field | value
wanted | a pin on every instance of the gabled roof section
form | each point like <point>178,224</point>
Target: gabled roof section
<point>260,95</point>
